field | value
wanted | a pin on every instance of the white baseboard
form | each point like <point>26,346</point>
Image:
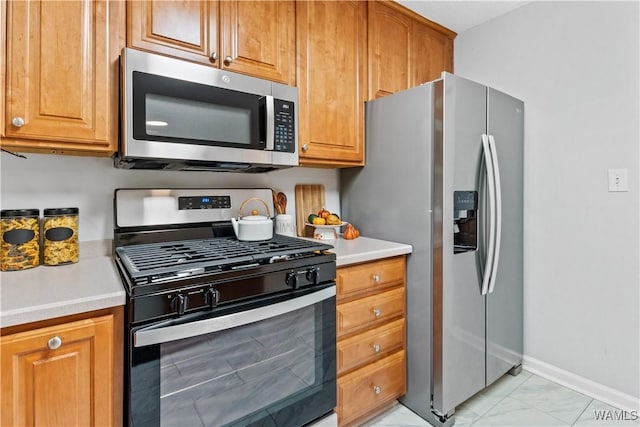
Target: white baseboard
<point>582,385</point>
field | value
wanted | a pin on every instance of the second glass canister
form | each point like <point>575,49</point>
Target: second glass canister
<point>60,236</point>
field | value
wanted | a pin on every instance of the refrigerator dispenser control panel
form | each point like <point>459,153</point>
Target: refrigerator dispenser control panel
<point>465,226</point>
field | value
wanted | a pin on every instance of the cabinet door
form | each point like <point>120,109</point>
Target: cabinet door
<point>368,389</point>
<point>431,54</point>
<point>389,49</point>
<point>185,29</point>
<point>71,384</point>
<point>3,56</point>
<point>258,38</point>
<point>62,86</point>
<point>332,76</point>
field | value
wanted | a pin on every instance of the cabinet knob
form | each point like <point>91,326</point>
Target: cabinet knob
<point>376,278</point>
<point>377,312</point>
<point>54,343</point>
<point>213,57</point>
<point>377,389</point>
<point>305,147</point>
<point>228,60</point>
<point>17,122</point>
<point>376,348</point>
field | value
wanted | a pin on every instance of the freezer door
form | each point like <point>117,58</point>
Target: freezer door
<point>390,199</point>
<point>458,304</point>
<point>505,123</point>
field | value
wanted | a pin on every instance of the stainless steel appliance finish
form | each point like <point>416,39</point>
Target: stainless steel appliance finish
<point>221,332</point>
<point>179,115</point>
<point>447,157</point>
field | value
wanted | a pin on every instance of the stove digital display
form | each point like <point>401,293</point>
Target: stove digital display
<point>204,202</point>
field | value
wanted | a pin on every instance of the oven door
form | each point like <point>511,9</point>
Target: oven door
<point>272,363</point>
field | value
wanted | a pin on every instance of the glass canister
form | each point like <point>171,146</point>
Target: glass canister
<point>60,236</point>
<point>20,234</point>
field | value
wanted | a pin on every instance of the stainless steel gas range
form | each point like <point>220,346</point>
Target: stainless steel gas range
<point>221,332</point>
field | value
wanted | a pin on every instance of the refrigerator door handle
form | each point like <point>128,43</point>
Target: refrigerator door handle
<point>488,264</point>
<point>498,211</point>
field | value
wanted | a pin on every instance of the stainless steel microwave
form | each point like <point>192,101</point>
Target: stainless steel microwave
<point>180,115</point>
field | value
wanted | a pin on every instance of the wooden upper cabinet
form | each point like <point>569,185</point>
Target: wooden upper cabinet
<point>389,49</point>
<point>332,76</point>
<point>250,37</point>
<point>405,49</point>
<point>187,29</point>
<point>432,53</point>
<point>259,38</point>
<point>62,75</point>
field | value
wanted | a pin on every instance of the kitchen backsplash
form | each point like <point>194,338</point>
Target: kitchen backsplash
<point>50,181</point>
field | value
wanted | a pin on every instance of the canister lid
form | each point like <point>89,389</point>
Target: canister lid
<point>61,211</point>
<point>15,213</point>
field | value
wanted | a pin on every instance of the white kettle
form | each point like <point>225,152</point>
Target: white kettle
<point>253,227</point>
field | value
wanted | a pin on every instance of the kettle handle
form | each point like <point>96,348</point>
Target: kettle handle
<point>259,200</point>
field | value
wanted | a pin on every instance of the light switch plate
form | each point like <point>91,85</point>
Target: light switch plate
<point>618,180</point>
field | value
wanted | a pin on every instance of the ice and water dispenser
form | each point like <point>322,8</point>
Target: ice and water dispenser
<point>465,221</point>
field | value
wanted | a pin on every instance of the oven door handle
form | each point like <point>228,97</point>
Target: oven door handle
<point>155,335</point>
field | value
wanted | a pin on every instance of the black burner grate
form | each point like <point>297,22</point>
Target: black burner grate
<point>174,257</point>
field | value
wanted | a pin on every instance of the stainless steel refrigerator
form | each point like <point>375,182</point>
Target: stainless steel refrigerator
<point>444,173</point>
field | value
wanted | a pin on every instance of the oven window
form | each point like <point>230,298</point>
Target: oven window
<point>279,372</point>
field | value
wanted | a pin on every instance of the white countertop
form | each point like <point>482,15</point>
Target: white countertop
<point>365,249</point>
<point>46,292</point>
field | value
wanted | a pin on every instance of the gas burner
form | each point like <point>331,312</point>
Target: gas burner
<point>189,257</point>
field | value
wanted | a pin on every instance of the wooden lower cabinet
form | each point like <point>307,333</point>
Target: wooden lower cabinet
<point>64,374</point>
<point>371,387</point>
<point>371,345</point>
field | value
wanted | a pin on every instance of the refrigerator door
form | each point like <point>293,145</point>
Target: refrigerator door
<point>505,123</point>
<point>390,199</point>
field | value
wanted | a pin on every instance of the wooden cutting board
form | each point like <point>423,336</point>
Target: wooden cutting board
<point>309,199</point>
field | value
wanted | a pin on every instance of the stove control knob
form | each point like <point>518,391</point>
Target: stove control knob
<point>312,275</point>
<point>179,303</point>
<point>292,280</point>
<point>211,297</point>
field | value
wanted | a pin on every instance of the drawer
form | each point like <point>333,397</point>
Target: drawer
<point>365,390</point>
<point>371,311</point>
<point>370,276</point>
<point>370,346</point>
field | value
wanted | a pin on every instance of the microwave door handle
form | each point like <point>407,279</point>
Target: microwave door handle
<point>270,121</point>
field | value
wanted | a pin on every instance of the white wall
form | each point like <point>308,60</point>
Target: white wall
<point>576,66</point>
<point>48,181</point>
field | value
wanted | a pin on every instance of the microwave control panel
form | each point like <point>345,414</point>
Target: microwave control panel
<point>285,128</point>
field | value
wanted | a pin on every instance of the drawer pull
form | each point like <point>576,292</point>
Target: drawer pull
<point>377,389</point>
<point>376,348</point>
<point>377,312</point>
<point>54,343</point>
<point>376,278</point>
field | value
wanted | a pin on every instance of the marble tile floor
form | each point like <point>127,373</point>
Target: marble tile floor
<point>525,400</point>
